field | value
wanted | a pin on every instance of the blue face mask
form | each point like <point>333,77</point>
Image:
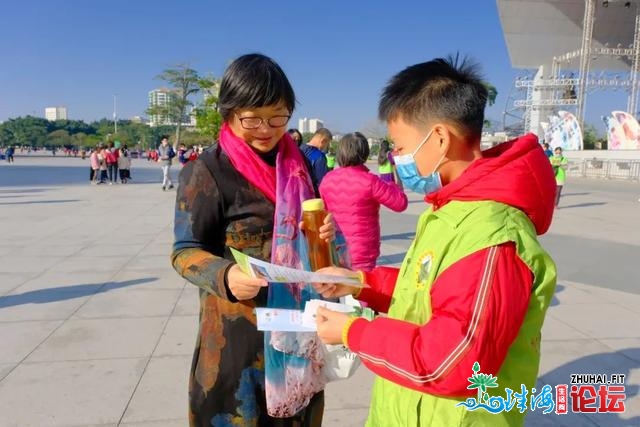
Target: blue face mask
<point>408,172</point>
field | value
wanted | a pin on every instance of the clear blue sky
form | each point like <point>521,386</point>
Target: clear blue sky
<point>338,54</point>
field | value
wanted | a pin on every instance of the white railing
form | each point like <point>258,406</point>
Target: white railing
<point>628,170</point>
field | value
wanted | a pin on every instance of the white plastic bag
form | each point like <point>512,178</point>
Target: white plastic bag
<point>340,362</point>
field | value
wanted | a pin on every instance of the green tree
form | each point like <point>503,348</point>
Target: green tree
<point>492,94</point>
<point>79,139</point>
<point>59,138</point>
<point>29,130</point>
<point>208,118</point>
<point>185,82</point>
<point>589,137</point>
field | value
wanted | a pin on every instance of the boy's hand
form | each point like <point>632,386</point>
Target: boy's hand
<point>333,290</point>
<point>330,324</point>
<point>243,286</point>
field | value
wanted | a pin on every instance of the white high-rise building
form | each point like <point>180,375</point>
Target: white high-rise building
<point>161,98</point>
<point>309,125</point>
<point>303,125</point>
<point>55,113</point>
<point>315,124</point>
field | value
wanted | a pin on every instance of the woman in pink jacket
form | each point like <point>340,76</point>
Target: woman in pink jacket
<point>354,195</point>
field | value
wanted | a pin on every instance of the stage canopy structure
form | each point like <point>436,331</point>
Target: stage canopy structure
<point>571,48</point>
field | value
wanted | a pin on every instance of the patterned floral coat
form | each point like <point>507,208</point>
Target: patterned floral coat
<point>217,208</point>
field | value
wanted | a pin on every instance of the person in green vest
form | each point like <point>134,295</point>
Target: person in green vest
<point>331,159</point>
<point>474,287</point>
<point>385,162</point>
<point>560,165</point>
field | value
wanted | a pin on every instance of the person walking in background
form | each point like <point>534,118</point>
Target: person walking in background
<point>547,150</point>
<point>124,165</point>
<point>9,153</point>
<point>354,195</point>
<point>165,157</point>
<point>560,165</point>
<point>314,152</point>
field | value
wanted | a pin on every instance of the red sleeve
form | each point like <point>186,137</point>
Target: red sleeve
<point>478,306</point>
<point>382,282</point>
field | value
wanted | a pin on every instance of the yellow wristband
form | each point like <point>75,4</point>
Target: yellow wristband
<point>362,278</point>
<point>345,330</point>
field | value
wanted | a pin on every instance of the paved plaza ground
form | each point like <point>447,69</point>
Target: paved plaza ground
<point>96,329</point>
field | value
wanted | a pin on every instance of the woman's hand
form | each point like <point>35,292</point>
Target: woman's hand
<point>243,286</point>
<point>333,290</point>
<point>330,325</point>
<point>328,229</point>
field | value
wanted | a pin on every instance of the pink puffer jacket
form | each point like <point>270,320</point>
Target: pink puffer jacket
<point>354,195</point>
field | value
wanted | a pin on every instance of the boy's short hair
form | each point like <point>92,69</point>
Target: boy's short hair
<point>324,133</point>
<point>352,150</point>
<point>442,89</point>
<point>253,81</point>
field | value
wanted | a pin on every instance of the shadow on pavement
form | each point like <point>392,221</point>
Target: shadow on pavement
<point>582,205</point>
<point>392,259</point>
<point>616,362</point>
<point>43,296</point>
<point>554,300</point>
<point>22,190</point>
<point>400,236</point>
<point>575,194</point>
<point>37,202</point>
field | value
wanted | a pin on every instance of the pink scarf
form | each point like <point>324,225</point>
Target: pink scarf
<point>292,360</point>
<point>253,168</point>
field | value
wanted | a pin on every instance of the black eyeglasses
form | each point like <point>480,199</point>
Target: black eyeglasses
<point>255,122</point>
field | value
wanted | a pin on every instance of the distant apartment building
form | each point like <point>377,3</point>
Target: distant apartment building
<point>315,124</point>
<point>309,125</point>
<point>55,113</point>
<point>161,100</point>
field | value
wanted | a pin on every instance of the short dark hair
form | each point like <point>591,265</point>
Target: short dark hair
<point>252,81</point>
<point>383,153</point>
<point>446,89</point>
<point>352,150</point>
<point>324,133</point>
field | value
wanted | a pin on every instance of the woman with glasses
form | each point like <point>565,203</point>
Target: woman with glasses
<point>245,192</point>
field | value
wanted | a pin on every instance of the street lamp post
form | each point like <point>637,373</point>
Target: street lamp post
<point>115,116</point>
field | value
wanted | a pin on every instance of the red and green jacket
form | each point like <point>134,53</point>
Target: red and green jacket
<point>473,287</point>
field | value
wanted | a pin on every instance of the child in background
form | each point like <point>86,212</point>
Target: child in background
<point>354,195</point>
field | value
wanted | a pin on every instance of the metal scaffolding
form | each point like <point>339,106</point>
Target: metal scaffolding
<point>585,55</point>
<point>558,91</point>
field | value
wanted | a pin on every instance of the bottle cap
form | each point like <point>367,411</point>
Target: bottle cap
<point>312,205</point>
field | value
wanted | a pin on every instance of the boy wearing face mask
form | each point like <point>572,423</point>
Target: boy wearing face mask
<point>475,284</point>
